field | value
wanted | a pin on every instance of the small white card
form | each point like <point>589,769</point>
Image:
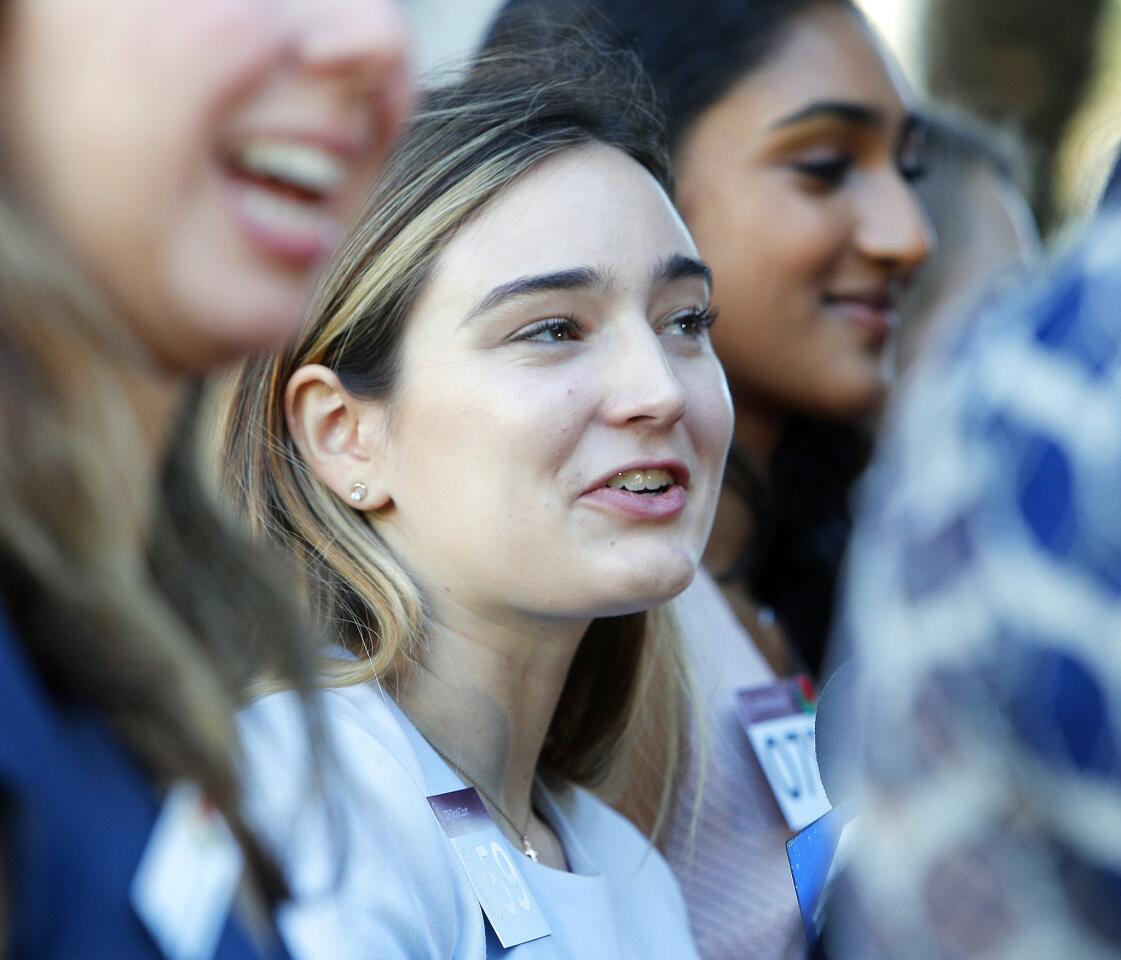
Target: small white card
<point>185,885</point>
<point>499,885</point>
<point>779,721</point>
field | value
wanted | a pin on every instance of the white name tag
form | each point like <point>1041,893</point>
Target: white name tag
<point>779,720</point>
<point>187,879</point>
<point>499,885</point>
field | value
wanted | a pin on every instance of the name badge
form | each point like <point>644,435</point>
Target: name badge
<point>503,894</point>
<point>188,876</point>
<point>779,720</point>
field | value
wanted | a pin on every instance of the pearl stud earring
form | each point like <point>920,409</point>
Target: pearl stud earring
<point>357,491</point>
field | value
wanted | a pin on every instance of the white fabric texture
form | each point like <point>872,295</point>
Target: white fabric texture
<point>375,876</point>
<point>733,868</point>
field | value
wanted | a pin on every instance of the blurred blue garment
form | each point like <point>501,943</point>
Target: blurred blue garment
<point>76,813</point>
<point>984,603</point>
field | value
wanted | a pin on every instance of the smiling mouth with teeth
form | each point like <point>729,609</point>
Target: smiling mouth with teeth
<point>282,194</point>
<point>301,171</point>
<point>642,481</point>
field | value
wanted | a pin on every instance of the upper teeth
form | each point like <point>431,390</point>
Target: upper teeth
<point>304,165</point>
<point>638,480</point>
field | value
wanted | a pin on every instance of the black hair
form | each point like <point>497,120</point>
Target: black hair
<point>694,54</point>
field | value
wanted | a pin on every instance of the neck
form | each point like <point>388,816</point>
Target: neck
<point>484,694</point>
<point>758,425</point>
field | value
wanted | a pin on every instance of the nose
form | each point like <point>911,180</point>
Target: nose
<point>365,38</point>
<point>640,386</point>
<point>893,229</point>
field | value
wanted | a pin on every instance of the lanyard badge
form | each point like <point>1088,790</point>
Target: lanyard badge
<point>188,876</point>
<point>498,883</point>
<point>779,721</point>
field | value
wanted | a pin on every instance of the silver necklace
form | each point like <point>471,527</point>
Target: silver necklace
<point>527,847</point>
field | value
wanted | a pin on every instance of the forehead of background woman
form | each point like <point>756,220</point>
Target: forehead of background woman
<point>199,157</point>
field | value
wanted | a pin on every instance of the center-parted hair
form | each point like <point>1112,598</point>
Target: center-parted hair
<point>469,142</point>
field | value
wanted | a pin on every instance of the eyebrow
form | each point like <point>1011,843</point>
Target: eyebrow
<point>679,267</point>
<point>674,267</point>
<point>856,114</point>
<point>579,278</point>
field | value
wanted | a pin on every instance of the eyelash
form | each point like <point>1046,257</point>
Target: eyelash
<point>701,320</point>
<point>562,323</point>
<point>828,173</point>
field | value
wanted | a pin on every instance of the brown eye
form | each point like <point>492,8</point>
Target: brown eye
<point>692,323</point>
<point>553,330</point>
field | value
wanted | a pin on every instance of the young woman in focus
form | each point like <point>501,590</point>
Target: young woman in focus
<point>496,446</point>
<point>793,146</point>
<point>171,177</point>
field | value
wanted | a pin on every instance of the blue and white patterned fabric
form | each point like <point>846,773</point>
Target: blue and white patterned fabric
<point>984,605</point>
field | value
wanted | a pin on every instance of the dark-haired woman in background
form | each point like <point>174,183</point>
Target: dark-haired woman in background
<point>171,177</point>
<point>793,146</point>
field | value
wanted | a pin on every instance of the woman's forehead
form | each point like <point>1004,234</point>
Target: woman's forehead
<point>827,54</point>
<point>590,206</point>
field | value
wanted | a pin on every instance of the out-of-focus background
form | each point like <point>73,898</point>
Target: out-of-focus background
<point>1048,70</point>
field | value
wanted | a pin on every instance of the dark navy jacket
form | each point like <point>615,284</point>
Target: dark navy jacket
<point>76,812</point>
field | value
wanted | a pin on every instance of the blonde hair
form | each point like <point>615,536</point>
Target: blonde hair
<point>469,142</point>
<point>128,611</point>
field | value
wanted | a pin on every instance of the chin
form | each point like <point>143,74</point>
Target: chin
<point>239,327</point>
<point>641,587</point>
<point>229,310</point>
<point>848,399</point>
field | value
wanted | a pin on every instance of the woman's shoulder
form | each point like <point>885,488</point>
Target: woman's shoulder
<point>372,872</point>
<point>357,717</point>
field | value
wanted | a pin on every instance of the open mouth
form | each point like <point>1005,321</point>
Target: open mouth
<point>642,493</point>
<point>284,192</point>
<point>645,482</point>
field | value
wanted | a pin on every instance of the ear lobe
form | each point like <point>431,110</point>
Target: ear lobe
<point>331,431</point>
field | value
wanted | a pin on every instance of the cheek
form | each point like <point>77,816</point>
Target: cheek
<point>775,242</point>
<point>773,250</point>
<point>117,113</point>
<point>502,434</point>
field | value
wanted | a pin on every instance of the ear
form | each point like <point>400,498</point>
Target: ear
<point>336,434</point>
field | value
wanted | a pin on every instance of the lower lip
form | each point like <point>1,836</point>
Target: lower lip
<point>876,322</point>
<point>640,506</point>
<point>297,246</point>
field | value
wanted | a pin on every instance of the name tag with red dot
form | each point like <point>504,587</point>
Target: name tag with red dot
<point>185,885</point>
<point>779,721</point>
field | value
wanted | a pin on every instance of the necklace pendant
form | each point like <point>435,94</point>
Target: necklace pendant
<point>527,849</point>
